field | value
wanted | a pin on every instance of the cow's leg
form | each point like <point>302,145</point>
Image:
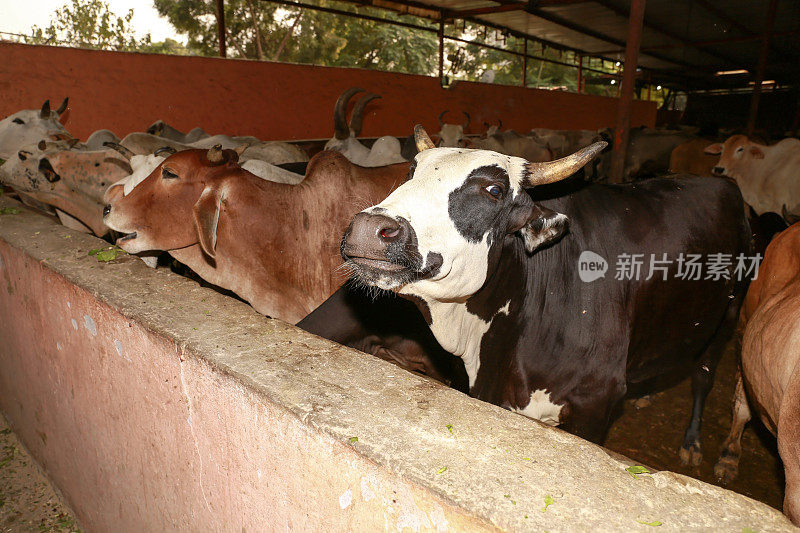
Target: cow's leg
<point>702,380</point>
<point>727,467</point>
<point>789,447</point>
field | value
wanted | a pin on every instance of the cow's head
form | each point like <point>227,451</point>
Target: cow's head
<point>736,153</point>
<point>177,205</point>
<point>452,135</point>
<point>438,235</point>
<point>29,126</point>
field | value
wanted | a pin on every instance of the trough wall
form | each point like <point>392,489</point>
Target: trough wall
<point>155,404</point>
<point>127,92</point>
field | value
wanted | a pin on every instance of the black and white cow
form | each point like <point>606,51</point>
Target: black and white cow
<point>495,272</point>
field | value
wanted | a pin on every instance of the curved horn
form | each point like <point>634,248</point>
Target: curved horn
<point>357,120</point>
<point>442,114</point>
<point>165,151</point>
<point>63,106</point>
<point>215,155</point>
<point>127,154</point>
<point>45,112</point>
<point>548,172</point>
<point>468,119</point>
<point>422,139</point>
<point>340,128</point>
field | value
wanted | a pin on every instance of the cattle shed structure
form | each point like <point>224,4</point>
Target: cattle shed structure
<point>156,404</point>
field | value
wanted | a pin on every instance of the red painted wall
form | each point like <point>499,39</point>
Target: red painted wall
<point>126,92</point>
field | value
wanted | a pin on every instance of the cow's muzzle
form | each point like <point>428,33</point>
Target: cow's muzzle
<point>718,171</point>
<point>378,242</point>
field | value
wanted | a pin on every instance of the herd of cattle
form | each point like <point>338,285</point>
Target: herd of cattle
<point>484,236</point>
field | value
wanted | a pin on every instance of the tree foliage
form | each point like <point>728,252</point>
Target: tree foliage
<point>89,24</point>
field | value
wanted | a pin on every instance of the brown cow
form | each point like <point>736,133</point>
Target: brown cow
<point>273,244</point>
<point>770,375</point>
<point>690,158</point>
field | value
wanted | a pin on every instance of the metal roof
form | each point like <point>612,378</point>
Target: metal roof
<point>684,42</point>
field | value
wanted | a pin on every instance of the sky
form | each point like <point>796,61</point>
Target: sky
<point>17,16</point>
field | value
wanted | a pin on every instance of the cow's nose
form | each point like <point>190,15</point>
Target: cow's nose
<point>719,171</point>
<point>106,210</point>
<point>370,234</point>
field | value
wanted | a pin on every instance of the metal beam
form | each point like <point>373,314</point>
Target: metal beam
<point>727,40</point>
<point>621,12</point>
<point>221,28</point>
<point>622,131</point>
<point>512,5</point>
<point>762,61</point>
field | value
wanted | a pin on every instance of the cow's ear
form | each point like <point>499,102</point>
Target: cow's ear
<point>714,149</point>
<point>537,225</point>
<point>206,219</point>
<point>756,152</point>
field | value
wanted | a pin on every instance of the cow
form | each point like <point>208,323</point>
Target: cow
<point>494,270</point>
<point>768,381</point>
<point>690,157</point>
<point>512,143</point>
<point>387,327</point>
<point>647,155</point>
<point>98,139</point>
<point>162,129</point>
<point>768,176</point>
<point>493,129</point>
<point>452,135</point>
<point>29,126</point>
<point>72,181</point>
<point>274,245</point>
<point>564,142</point>
<point>385,150</point>
<point>275,152</point>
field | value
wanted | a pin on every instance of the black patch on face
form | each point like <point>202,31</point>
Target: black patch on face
<point>412,169</point>
<point>47,169</point>
<point>473,211</point>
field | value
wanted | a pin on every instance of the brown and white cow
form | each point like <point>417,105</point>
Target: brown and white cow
<point>768,176</point>
<point>275,245</point>
<point>769,377</point>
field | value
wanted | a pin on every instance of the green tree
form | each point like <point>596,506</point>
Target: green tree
<point>88,24</point>
<point>260,30</point>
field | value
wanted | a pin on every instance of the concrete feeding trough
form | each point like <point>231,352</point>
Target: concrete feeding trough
<point>155,404</point>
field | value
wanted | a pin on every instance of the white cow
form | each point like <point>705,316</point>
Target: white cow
<point>452,135</point>
<point>768,176</point>
<point>385,151</point>
<point>29,126</point>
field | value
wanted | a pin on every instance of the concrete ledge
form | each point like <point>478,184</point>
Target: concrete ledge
<point>155,404</point>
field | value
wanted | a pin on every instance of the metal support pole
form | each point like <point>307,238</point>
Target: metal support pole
<point>221,27</point>
<point>525,63</point>
<point>762,61</point>
<point>441,47</point>
<point>622,130</point>
<point>580,74</point>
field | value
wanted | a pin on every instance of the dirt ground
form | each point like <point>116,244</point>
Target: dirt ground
<point>653,435</point>
<point>27,500</point>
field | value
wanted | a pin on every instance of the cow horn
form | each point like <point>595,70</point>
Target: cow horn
<point>357,121</point>
<point>422,139</point>
<point>215,155</point>
<point>63,106</point>
<point>45,112</point>
<point>441,115</point>
<point>241,149</point>
<point>499,124</point>
<point>168,150</point>
<point>468,120</point>
<point>340,128</point>
<point>127,154</point>
<point>550,171</point>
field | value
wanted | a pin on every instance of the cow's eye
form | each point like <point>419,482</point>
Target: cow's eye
<point>495,190</point>
<point>18,121</point>
<point>168,174</point>
<point>740,150</point>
